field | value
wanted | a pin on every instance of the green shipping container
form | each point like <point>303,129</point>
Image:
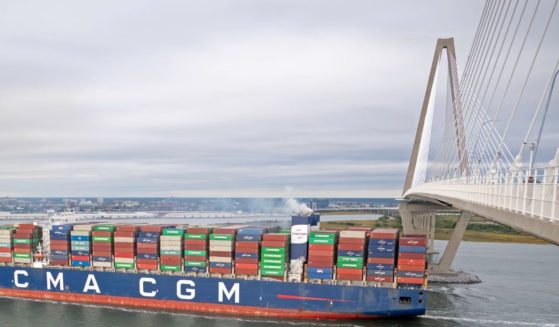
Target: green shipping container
<point>274,256</point>
<point>271,266</point>
<point>173,231</point>
<point>22,255</point>
<point>102,239</point>
<point>327,235</point>
<point>342,259</point>
<point>8,227</point>
<point>189,263</point>
<point>195,236</point>
<point>266,250</point>
<point>221,237</point>
<point>272,272</point>
<point>314,240</point>
<point>170,268</point>
<point>104,228</point>
<point>195,253</point>
<point>350,265</point>
<point>273,261</point>
<point>171,252</point>
<point>22,241</point>
<point>122,265</point>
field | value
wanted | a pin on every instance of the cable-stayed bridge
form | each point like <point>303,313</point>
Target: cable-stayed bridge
<point>491,149</point>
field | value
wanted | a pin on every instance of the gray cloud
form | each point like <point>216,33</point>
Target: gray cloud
<point>224,98</point>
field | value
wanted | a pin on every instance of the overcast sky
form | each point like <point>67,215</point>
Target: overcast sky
<point>216,98</point>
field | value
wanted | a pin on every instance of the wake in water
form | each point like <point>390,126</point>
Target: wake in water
<point>491,322</point>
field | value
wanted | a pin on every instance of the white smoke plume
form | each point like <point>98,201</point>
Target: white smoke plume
<point>294,207</point>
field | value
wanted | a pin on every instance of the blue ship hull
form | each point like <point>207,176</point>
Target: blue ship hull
<point>210,294</point>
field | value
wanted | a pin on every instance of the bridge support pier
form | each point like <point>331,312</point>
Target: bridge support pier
<point>445,263</point>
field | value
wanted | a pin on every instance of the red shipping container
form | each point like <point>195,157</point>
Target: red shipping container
<point>6,250</point>
<point>352,247</point>
<point>413,241</point>
<point>351,240</point>
<point>246,265</point>
<point>244,271</point>
<point>57,242</point>
<point>387,261</point>
<point>152,228</point>
<point>102,245</point>
<point>58,263</point>
<point>250,245</point>
<point>225,230</point>
<point>25,226</point>
<point>411,262</point>
<point>60,247</point>
<point>102,233</point>
<point>124,244</point>
<point>22,247</point>
<point>221,254</point>
<point>350,271</point>
<point>127,228</point>
<point>411,268</point>
<point>196,247</point>
<point>102,253</point>
<point>3,259</point>
<point>194,258</point>
<point>321,253</point>
<point>410,280</point>
<point>220,270</point>
<point>194,242</point>
<point>122,249</point>
<point>276,237</point>
<point>147,261</point>
<point>386,233</point>
<point>379,279</point>
<point>80,257</point>
<point>320,263</point>
<point>171,260</point>
<point>322,247</point>
<point>410,255</point>
<point>127,255</point>
<point>247,260</point>
<point>125,233</point>
<point>198,230</point>
<point>344,276</point>
<point>24,236</point>
<point>274,244</point>
<point>147,246</point>
<point>147,266</point>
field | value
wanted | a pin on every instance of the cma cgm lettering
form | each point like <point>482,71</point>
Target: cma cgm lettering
<point>209,294</point>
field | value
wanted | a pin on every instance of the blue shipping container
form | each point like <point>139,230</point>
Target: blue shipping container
<point>413,249</point>
<point>220,264</point>
<point>350,253</point>
<point>379,266</point>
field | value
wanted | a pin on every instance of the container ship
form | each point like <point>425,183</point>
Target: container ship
<point>301,272</point>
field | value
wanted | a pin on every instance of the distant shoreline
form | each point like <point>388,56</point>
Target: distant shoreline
<point>489,235</point>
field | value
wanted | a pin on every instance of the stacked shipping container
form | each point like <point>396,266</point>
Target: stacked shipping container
<point>274,254</point>
<point>381,259</point>
<point>351,255</point>
<point>222,243</point>
<point>196,249</point>
<point>171,247</point>
<point>125,247</point>
<point>322,253</point>
<point>102,246</point>
<point>247,249</point>
<point>80,244</point>
<point>412,261</point>
<point>6,243</point>
<point>60,245</point>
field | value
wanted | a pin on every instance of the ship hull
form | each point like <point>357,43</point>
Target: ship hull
<point>210,295</point>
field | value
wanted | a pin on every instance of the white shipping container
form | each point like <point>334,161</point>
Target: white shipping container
<point>299,238</point>
<point>221,259</point>
<point>5,232</point>
<point>79,233</point>
<point>171,238</point>
<point>124,260</point>
<point>300,229</point>
<point>171,243</point>
<point>5,238</point>
<point>221,243</point>
<point>5,254</point>
<point>5,244</point>
<point>124,239</point>
<point>353,234</point>
<point>228,248</point>
<point>102,264</point>
<point>23,260</point>
<point>171,248</point>
<point>85,227</point>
